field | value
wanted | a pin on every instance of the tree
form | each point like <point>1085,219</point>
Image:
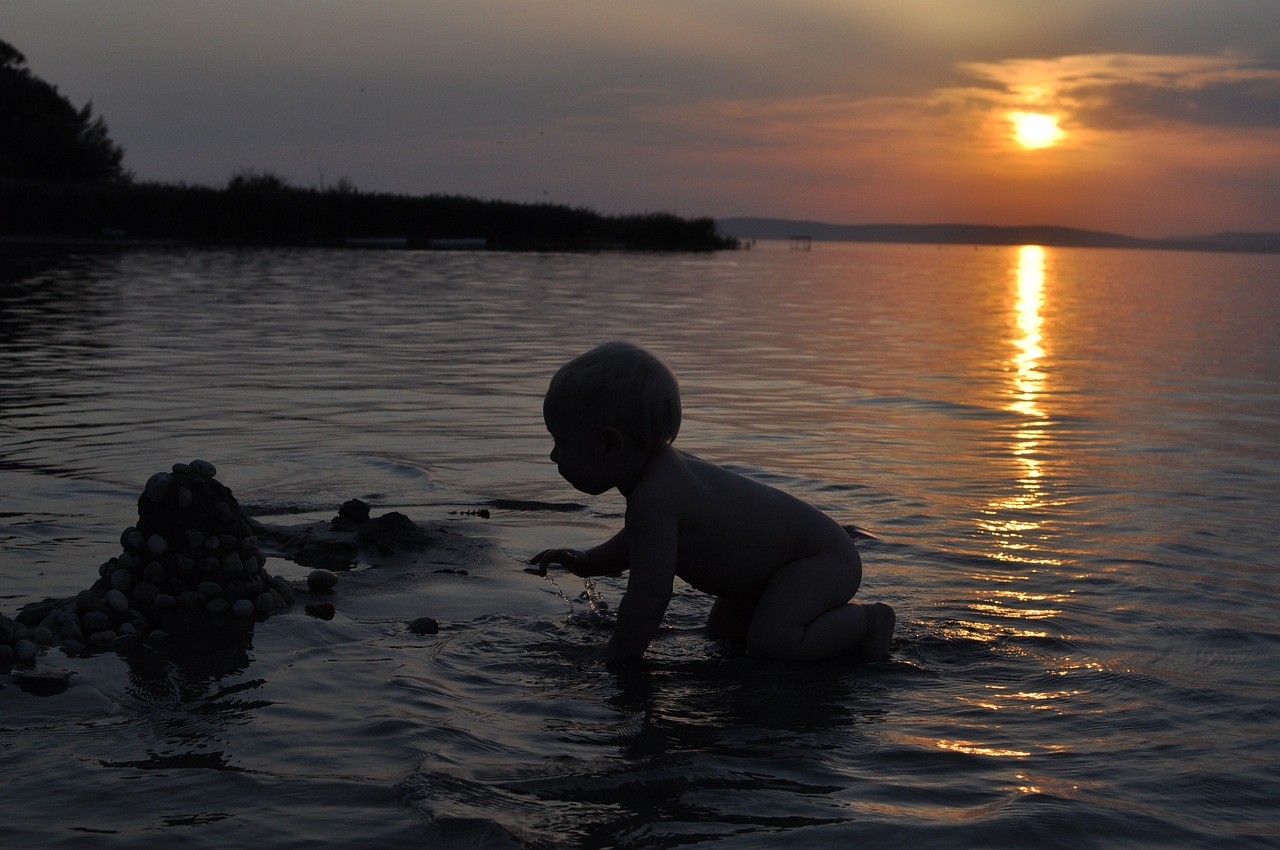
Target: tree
<point>43,136</point>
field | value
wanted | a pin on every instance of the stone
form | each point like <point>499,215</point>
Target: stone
<point>117,601</point>
<point>321,610</point>
<point>24,651</point>
<point>282,587</point>
<point>203,467</point>
<point>322,581</point>
<point>95,621</point>
<point>157,485</point>
<point>425,626</point>
<point>243,608</point>
<point>191,599</point>
<point>121,580</point>
<point>145,593</point>
<point>154,572</point>
<point>209,588</point>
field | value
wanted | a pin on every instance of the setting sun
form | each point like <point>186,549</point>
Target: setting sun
<point>1035,129</point>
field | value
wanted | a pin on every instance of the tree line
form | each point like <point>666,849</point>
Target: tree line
<point>62,177</point>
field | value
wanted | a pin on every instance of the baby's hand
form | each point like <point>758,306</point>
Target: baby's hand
<point>574,560</point>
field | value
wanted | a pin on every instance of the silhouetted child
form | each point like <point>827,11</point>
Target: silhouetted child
<point>782,571</point>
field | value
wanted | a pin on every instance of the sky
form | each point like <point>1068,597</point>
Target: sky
<point>1145,117</point>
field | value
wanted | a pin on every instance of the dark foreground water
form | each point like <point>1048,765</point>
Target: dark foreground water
<point>1066,463</point>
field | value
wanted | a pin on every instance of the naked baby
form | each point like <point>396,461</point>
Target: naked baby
<point>783,573</point>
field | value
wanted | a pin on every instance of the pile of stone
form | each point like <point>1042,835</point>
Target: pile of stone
<point>191,561</point>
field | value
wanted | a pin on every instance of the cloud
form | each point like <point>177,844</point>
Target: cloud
<point>1121,91</point>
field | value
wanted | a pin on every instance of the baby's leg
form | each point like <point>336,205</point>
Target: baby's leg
<point>805,613</point>
<point>730,619</point>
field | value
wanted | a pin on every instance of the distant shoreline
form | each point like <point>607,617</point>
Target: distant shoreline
<point>745,228</point>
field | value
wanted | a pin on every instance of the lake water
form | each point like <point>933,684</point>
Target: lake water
<point>1065,463</point>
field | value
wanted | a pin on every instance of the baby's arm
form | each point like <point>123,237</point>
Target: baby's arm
<point>652,554</point>
<point>609,558</point>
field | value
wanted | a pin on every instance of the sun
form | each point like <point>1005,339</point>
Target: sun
<point>1035,129</point>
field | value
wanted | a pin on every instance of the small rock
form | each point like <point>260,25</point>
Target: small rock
<point>157,545</point>
<point>209,588</point>
<point>321,610</point>
<point>131,539</point>
<point>95,621</point>
<point>121,580</point>
<point>24,651</point>
<point>117,601</point>
<point>243,608</point>
<point>157,485</point>
<point>190,599</point>
<point>265,603</point>
<point>217,606</point>
<point>425,626</point>
<point>322,580</point>
<point>145,593</point>
<point>203,467</point>
<point>282,587</point>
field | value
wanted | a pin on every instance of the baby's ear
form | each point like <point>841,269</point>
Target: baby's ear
<point>612,440</point>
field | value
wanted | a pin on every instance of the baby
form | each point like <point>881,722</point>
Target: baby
<point>782,571</point>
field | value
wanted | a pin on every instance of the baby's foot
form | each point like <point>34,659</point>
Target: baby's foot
<point>880,621</point>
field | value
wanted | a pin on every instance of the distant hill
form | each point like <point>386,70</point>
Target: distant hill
<point>979,234</point>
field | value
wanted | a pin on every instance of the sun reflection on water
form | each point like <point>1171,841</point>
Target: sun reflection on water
<point>1012,522</point>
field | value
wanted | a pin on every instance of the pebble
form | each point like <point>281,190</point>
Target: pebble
<point>157,545</point>
<point>203,467</point>
<point>321,610</point>
<point>157,485</point>
<point>24,651</point>
<point>95,621</point>
<point>121,580</point>
<point>243,608</point>
<point>117,601</point>
<point>265,602</point>
<point>425,626</point>
<point>322,580</point>
<point>282,587</point>
<point>190,599</point>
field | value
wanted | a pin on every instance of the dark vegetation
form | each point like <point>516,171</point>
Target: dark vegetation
<point>62,178</point>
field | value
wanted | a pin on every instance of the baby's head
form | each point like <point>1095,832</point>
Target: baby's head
<point>619,385</point>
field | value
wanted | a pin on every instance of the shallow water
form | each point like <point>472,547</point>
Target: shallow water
<point>1065,463</point>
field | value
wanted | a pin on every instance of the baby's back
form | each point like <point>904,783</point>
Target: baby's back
<point>735,532</point>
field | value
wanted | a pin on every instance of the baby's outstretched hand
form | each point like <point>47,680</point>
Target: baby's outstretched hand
<point>574,560</point>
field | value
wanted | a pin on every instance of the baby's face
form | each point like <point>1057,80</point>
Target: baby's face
<point>578,451</point>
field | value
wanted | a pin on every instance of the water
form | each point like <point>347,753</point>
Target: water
<point>1065,463</point>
